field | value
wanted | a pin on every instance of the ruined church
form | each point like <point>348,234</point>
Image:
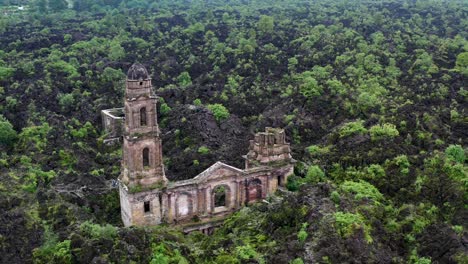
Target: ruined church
<point>148,198</point>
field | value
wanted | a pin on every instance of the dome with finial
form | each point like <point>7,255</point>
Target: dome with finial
<point>137,72</point>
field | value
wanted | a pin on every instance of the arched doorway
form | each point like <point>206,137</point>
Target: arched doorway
<point>221,197</point>
<point>254,190</point>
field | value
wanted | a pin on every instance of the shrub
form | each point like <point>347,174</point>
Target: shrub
<point>375,171</point>
<point>335,197</point>
<point>184,79</point>
<point>402,162</point>
<point>82,132</point>
<point>67,159</point>
<point>310,88</point>
<point>35,174</point>
<point>346,225</point>
<point>203,150</point>
<point>293,183</point>
<point>53,253</point>
<point>226,259</point>
<point>317,150</point>
<point>415,259</point>
<point>315,174</point>
<point>458,229</point>
<point>351,128</point>
<point>247,252</point>
<point>34,135</point>
<point>461,63</point>
<point>164,109</point>
<point>302,234</point>
<point>386,130</point>
<point>219,111</point>
<point>197,102</point>
<point>297,261</point>
<point>97,231</point>
<point>66,101</point>
<point>455,153</point>
<point>7,134</point>
<point>163,255</point>
<point>362,190</point>
<point>6,72</point>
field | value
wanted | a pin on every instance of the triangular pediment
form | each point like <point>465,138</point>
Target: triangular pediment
<point>217,170</point>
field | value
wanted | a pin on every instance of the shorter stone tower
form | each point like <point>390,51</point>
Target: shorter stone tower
<point>268,148</point>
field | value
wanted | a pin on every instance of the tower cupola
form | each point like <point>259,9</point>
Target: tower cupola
<point>137,72</point>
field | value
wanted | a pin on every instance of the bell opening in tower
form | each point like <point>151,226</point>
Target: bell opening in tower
<point>143,116</point>
<point>145,157</point>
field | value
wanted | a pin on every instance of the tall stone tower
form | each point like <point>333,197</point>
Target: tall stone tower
<point>142,153</point>
<point>142,164</point>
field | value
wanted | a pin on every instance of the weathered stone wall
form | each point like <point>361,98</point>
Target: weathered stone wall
<point>194,200</point>
<point>125,207</point>
<point>137,174</point>
<point>112,122</point>
<point>133,207</point>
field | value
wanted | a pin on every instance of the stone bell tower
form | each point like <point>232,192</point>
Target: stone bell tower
<point>142,153</point>
<point>142,178</point>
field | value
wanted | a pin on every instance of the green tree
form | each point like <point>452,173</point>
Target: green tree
<point>6,72</point>
<point>461,63</point>
<point>386,130</point>
<point>7,134</point>
<point>310,88</point>
<point>266,25</point>
<point>315,174</point>
<point>352,128</point>
<point>66,101</point>
<point>112,75</point>
<point>116,51</point>
<point>184,79</point>
<point>348,223</point>
<point>362,190</point>
<point>53,253</point>
<point>219,111</point>
<point>455,153</point>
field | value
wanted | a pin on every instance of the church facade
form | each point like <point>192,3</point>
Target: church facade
<point>147,197</point>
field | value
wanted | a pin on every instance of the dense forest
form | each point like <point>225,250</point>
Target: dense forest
<point>372,95</point>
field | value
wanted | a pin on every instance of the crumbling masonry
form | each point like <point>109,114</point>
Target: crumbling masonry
<point>148,198</point>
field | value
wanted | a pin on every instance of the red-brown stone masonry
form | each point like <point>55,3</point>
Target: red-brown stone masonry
<point>180,202</point>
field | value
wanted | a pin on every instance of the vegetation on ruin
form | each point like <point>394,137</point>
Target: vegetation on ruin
<point>372,96</point>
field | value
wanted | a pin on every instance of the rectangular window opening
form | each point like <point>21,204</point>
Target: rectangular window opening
<point>147,207</point>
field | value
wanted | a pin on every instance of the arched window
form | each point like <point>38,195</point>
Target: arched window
<point>147,207</point>
<point>146,157</point>
<point>143,116</point>
<point>220,196</point>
